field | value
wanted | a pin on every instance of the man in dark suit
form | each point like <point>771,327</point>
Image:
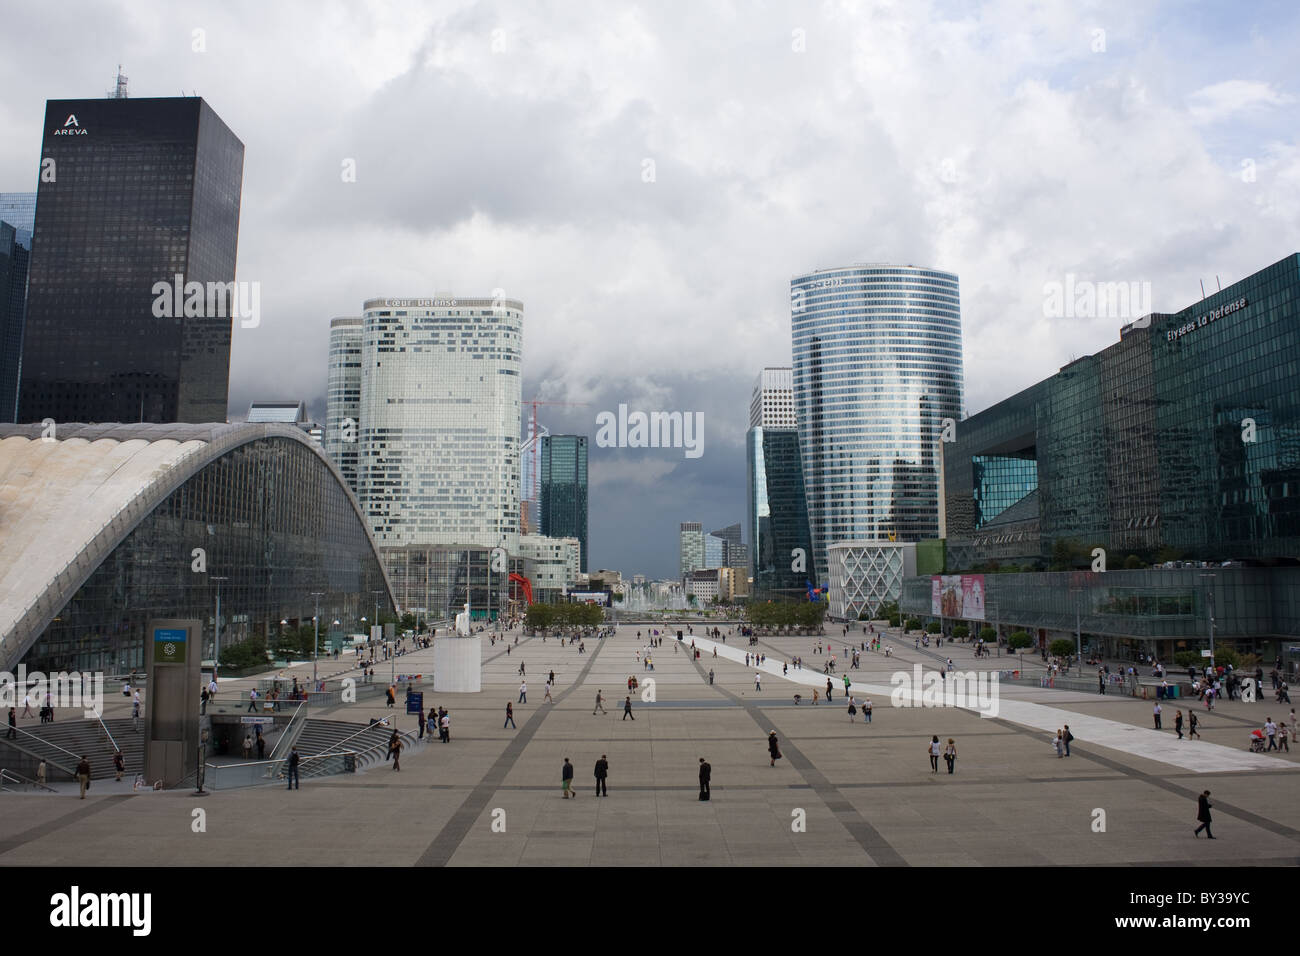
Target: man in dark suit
<point>1203,814</point>
<point>602,771</point>
<point>706,772</point>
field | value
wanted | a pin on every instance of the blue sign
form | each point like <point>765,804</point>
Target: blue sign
<point>415,703</point>
<point>169,645</point>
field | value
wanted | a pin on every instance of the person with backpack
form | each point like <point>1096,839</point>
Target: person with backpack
<point>853,709</point>
<point>950,754</point>
<point>294,782</point>
<point>1067,737</point>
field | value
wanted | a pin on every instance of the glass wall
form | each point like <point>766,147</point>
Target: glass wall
<point>272,520</point>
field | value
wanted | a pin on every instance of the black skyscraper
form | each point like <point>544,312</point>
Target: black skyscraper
<point>564,489</point>
<point>139,192</point>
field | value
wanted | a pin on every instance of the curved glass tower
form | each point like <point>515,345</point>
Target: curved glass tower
<point>877,367</point>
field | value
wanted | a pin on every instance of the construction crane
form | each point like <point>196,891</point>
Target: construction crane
<point>532,451</point>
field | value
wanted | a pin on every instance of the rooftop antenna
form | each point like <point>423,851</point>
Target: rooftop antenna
<point>1218,283</point>
<point>1202,290</point>
<point>119,93</point>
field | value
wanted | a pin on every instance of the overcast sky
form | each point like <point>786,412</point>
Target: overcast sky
<point>505,145</point>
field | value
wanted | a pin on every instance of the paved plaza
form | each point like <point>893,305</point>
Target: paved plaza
<point>846,792</point>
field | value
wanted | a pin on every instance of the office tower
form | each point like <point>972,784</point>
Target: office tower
<point>715,552</point>
<point>133,194</point>
<point>14,260</point>
<point>877,368</point>
<point>772,403</point>
<point>343,397</point>
<point>19,210</point>
<point>563,482</point>
<point>691,548</point>
<point>439,428</point>
<point>778,514</point>
<point>734,554</point>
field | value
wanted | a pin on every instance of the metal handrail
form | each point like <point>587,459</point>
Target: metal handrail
<point>49,743</point>
<point>365,729</point>
<point>20,779</point>
<point>111,738</point>
<point>288,732</point>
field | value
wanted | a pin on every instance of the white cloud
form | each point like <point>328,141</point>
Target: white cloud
<point>1221,101</point>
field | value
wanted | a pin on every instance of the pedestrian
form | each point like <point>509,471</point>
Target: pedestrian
<point>252,700</point>
<point>261,746</point>
<point>510,716</point>
<point>135,713</point>
<point>711,673</point>
<point>1270,730</point>
<point>12,732</point>
<point>758,682</point>
<point>773,748</point>
<point>933,750</point>
<point>1282,735</point>
<point>866,710</point>
<point>600,703</point>
<point>602,772</point>
<point>420,720</point>
<point>627,707</point>
<point>828,690</point>
<point>1156,714</point>
<point>248,747</point>
<point>1203,815</point>
<point>1059,743</point>
<point>294,781</point>
<point>397,751</point>
<point>815,696</point>
<point>119,764</point>
<point>547,697</point>
<point>853,709</point>
<point>706,774</point>
<point>83,775</point>
<point>1067,737</point>
<point>566,779</point>
<point>40,772</point>
<point>1191,724</point>
<point>444,725</point>
<point>950,754</point>
<point>392,698</point>
<point>523,692</point>
<point>1178,723</point>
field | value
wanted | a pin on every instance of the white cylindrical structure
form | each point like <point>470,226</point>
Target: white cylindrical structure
<point>457,665</point>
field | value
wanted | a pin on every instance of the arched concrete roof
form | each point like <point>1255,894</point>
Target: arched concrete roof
<point>66,502</point>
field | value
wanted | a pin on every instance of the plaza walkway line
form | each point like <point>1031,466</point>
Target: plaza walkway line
<point>1150,744</point>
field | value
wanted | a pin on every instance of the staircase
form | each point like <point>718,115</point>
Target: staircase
<point>79,737</point>
<point>369,743</point>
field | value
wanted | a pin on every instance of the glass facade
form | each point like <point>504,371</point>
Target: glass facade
<point>14,261</point>
<point>437,581</point>
<point>19,210</point>
<point>343,398</point>
<point>274,521</point>
<point>143,190</point>
<point>691,556</point>
<point>439,422</point>
<point>563,473</point>
<point>1181,441</point>
<point>877,367</point>
<point>778,514</point>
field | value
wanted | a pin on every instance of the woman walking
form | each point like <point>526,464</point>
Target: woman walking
<point>773,748</point>
<point>1178,723</point>
<point>853,709</point>
<point>950,754</point>
<point>510,716</point>
<point>933,751</point>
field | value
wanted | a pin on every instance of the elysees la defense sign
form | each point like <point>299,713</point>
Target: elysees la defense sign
<point>1173,335</point>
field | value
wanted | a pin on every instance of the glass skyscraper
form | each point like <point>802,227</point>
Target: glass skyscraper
<point>15,258</point>
<point>877,367</point>
<point>133,192</point>
<point>691,554</point>
<point>563,479</point>
<point>343,397</point>
<point>778,514</point>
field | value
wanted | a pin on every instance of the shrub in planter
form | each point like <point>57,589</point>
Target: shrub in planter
<point>1020,639</point>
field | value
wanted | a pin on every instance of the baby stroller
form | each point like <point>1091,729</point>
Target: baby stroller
<point>1257,741</point>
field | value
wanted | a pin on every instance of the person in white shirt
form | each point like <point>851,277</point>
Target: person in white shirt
<point>934,750</point>
<point>1270,730</point>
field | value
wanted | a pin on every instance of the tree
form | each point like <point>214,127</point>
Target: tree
<point>988,635</point>
<point>1061,647</point>
<point>961,632</point>
<point>934,627</point>
<point>1132,563</point>
<point>1020,639</point>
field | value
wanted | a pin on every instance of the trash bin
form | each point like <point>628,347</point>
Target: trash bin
<point>1173,691</point>
<point>1160,692</point>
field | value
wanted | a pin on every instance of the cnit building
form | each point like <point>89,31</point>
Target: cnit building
<point>1174,456</point>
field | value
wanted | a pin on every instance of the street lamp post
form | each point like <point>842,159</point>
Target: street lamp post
<point>315,650</point>
<point>216,632</point>
<point>1209,612</point>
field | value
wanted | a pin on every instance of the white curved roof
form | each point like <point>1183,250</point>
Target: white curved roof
<point>66,502</point>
